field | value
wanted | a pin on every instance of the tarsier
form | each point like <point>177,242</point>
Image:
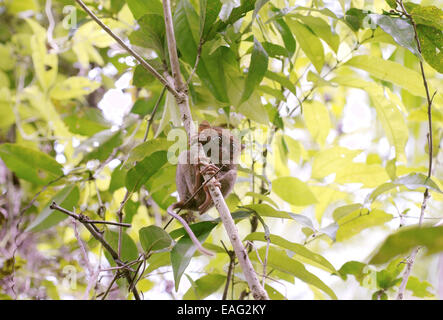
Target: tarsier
<point>222,148</point>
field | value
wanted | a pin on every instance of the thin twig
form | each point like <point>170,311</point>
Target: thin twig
<point>142,61</point>
<point>120,220</point>
<point>117,274</point>
<point>84,219</point>
<point>99,237</point>
<point>151,119</point>
<point>172,47</point>
<point>426,195</point>
<point>197,60</point>
<point>231,255</point>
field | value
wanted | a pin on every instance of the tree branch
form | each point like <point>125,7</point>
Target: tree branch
<point>257,289</point>
<point>426,195</point>
<point>142,61</point>
<point>99,237</point>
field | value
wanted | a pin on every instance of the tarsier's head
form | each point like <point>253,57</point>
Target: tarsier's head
<point>220,144</point>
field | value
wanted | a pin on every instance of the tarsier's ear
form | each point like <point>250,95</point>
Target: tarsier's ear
<point>204,125</point>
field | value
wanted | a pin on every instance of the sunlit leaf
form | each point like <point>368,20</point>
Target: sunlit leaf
<point>404,240</point>
<point>31,165</point>
<point>154,238</point>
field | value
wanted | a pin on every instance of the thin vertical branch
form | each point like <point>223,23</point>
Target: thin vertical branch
<point>151,119</point>
<point>410,261</point>
<point>257,289</point>
<point>172,46</point>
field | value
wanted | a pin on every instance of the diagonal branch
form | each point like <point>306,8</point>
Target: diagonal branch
<point>142,61</point>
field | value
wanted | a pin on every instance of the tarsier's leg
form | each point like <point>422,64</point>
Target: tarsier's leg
<point>191,234</point>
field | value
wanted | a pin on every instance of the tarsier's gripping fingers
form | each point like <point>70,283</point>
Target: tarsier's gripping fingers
<point>191,234</point>
<point>210,169</point>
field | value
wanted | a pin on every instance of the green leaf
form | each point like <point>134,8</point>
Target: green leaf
<point>261,197</point>
<point>273,293</point>
<point>118,177</point>
<point>277,259</point>
<point>7,116</point>
<point>147,148</point>
<point>309,43</point>
<point>399,29</point>
<point>317,120</point>
<point>152,27</point>
<point>129,250</point>
<point>407,238</point>
<point>390,71</point>
<point>209,69</point>
<point>204,286</point>
<point>355,268</point>
<point>100,145</point>
<point>141,77</point>
<point>281,79</point>
<point>301,253</point>
<point>355,222</point>
<point>86,123</point>
<point>417,180</point>
<point>322,29</point>
<point>286,35</point>
<point>73,87</point>
<point>143,170</point>
<point>431,41</point>
<point>209,10</point>
<point>332,159</point>
<point>184,249</point>
<point>343,211</point>
<point>411,181</point>
<point>158,260</point>
<point>428,15</point>
<point>31,165</point>
<point>253,109</point>
<point>392,3</point>
<point>419,288</point>
<point>293,191</point>
<point>154,238</point>
<point>66,198</point>
<point>266,210</point>
<point>256,71</point>
<point>274,50</point>
<point>141,7</point>
<point>389,277</point>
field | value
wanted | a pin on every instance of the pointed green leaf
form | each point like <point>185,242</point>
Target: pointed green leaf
<point>184,249</point>
<point>302,253</point>
<point>404,240</point>
<point>29,164</point>
<point>293,191</point>
<point>309,43</point>
<point>279,260</point>
<point>154,238</point>
<point>256,71</point>
<point>66,198</point>
<point>204,286</point>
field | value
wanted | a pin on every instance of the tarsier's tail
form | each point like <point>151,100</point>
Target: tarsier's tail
<point>191,234</point>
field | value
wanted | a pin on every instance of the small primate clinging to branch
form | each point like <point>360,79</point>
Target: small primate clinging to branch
<point>222,148</point>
